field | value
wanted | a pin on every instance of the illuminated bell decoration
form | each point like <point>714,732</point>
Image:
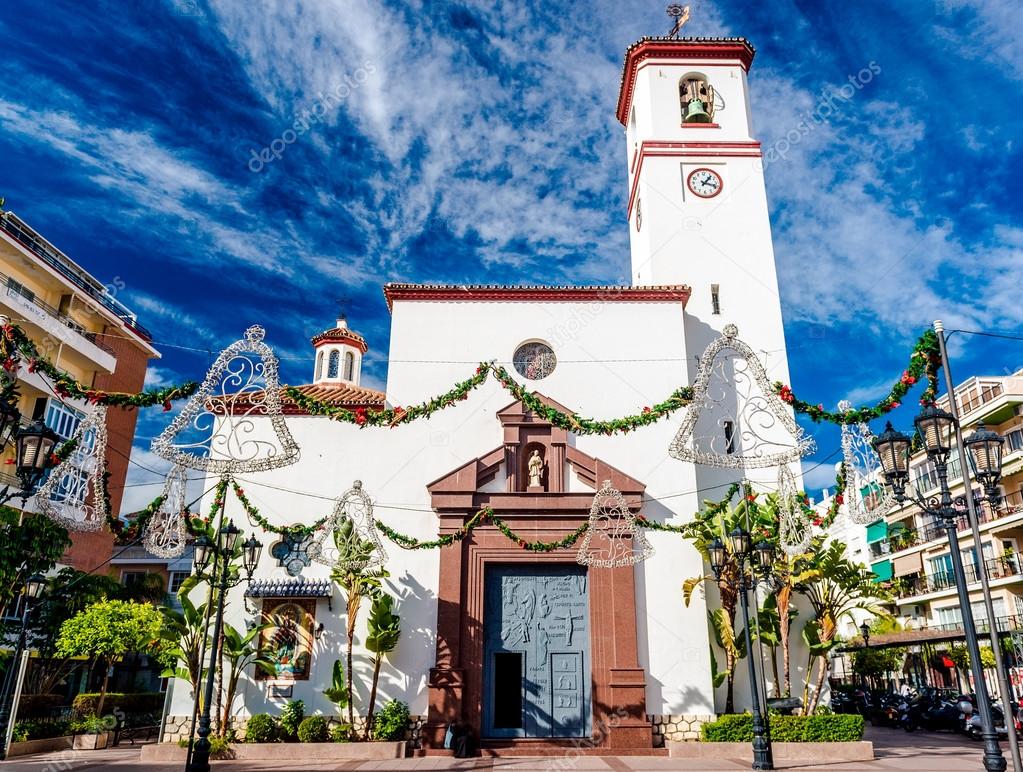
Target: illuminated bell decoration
<point>612,538</point>
<point>73,494</point>
<point>216,431</point>
<point>794,533</point>
<point>695,112</point>
<point>865,499</point>
<point>166,534</point>
<point>349,540</point>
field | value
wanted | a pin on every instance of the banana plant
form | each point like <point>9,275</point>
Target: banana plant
<point>382,638</point>
<point>240,651</point>
<point>183,636</point>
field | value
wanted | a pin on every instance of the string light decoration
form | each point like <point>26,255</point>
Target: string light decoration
<point>863,464</point>
<point>74,494</point>
<point>218,419</point>
<point>736,421</point>
<point>165,533</point>
<point>349,541</point>
<point>612,539</point>
<point>794,531</point>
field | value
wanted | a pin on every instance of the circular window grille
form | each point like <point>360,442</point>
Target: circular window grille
<point>534,360</point>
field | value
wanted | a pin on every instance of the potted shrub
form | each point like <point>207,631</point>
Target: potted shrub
<point>92,733</point>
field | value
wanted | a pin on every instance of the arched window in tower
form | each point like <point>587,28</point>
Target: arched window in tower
<point>332,363</point>
<point>349,365</point>
<point>696,96</point>
<point>319,366</point>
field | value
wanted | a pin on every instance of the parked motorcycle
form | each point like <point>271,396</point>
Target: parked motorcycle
<point>931,711</point>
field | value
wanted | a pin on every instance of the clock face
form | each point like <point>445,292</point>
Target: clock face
<point>705,183</point>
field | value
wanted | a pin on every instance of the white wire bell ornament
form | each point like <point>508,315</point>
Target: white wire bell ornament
<point>73,494</point>
<point>866,499</point>
<point>349,540</point>
<point>166,534</point>
<point>735,420</point>
<point>215,431</point>
<point>794,527</point>
<point>612,538</point>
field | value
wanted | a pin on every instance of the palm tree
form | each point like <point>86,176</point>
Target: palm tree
<point>383,637</point>
<point>717,521</point>
<point>356,584</point>
<point>240,651</point>
<point>835,587</point>
<point>184,633</point>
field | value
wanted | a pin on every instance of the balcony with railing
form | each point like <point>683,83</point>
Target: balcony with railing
<point>1004,567</point>
<point>18,230</point>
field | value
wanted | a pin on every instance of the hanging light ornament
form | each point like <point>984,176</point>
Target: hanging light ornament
<point>216,424</point>
<point>349,539</point>
<point>735,420</point>
<point>166,534</point>
<point>612,538</point>
<point>73,495</point>
<point>868,498</point>
<point>794,526</point>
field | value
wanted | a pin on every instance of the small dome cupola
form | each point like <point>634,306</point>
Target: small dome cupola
<point>339,353</point>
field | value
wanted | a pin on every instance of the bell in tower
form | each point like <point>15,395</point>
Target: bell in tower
<point>697,98</point>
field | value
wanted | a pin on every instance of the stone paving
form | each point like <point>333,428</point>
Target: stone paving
<point>894,749</point>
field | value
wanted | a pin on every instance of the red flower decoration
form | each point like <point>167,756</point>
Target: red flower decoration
<point>818,521</point>
<point>10,365</point>
<point>839,499</point>
<point>751,497</point>
<point>360,415</point>
<point>54,460</point>
<point>647,410</point>
<point>893,404</point>
<point>786,394</point>
<point>522,543</point>
<point>32,364</point>
<point>166,405</point>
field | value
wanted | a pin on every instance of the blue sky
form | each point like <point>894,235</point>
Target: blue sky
<point>477,143</point>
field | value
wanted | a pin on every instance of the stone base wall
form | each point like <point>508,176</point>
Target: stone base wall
<point>684,728</point>
<point>176,728</point>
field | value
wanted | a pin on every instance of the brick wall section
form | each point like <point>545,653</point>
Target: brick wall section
<point>89,550</point>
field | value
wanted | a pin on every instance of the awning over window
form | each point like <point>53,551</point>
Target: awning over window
<point>289,588</point>
<point>877,531</point>
<point>908,564</point>
<point>883,570</point>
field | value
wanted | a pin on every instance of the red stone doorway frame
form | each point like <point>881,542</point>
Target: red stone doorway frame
<point>456,682</point>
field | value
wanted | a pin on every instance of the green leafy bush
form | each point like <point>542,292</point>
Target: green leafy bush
<point>290,718</point>
<point>86,704</point>
<point>34,705</point>
<point>40,730</point>
<point>339,733</point>
<point>261,728</point>
<point>313,729</point>
<point>93,724</point>
<point>392,721</point>
<point>738,728</point>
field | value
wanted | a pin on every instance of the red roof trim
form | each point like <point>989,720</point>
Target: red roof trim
<point>733,48</point>
<point>654,294</point>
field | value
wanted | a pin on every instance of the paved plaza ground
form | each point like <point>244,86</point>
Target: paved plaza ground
<point>894,750</point>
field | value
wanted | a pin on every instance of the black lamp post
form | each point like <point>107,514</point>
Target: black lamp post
<point>213,563</point>
<point>751,561</point>
<point>34,445</point>
<point>936,427</point>
<point>865,632</point>
<point>32,591</point>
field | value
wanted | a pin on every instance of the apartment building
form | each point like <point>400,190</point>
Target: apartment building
<point>909,550</point>
<point>77,322</point>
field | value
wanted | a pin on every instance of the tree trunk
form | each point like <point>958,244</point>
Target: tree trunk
<point>103,688</point>
<point>774,669</point>
<point>377,661</point>
<point>784,594</point>
<point>730,661</point>
<point>348,677</point>
<point>821,675</point>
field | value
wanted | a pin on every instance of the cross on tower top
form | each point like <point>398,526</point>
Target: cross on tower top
<point>680,13</point>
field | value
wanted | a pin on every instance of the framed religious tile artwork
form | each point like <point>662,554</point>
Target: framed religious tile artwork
<point>287,644</point>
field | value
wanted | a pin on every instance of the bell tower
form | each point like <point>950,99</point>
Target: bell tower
<point>697,204</point>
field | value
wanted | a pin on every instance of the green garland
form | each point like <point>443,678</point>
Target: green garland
<point>923,363</point>
<point>297,531</point>
<point>126,532</point>
<point>578,424</point>
<point>16,347</point>
<point>481,518</point>
<point>824,521</point>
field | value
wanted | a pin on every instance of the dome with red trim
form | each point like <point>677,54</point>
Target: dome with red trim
<point>339,352</point>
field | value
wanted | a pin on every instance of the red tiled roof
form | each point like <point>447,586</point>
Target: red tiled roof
<point>336,394</point>
<point>506,292</point>
<point>341,334</point>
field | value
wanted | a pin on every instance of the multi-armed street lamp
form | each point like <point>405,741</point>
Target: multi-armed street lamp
<point>754,565</point>
<point>937,427</point>
<point>212,560</point>
<point>31,593</point>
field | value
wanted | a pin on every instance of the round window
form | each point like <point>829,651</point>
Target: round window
<point>534,360</point>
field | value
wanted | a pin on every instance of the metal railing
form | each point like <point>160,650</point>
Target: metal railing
<point>1003,567</point>
<point>15,289</point>
<point>34,244</point>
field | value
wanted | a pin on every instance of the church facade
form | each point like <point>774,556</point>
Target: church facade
<point>525,646</point>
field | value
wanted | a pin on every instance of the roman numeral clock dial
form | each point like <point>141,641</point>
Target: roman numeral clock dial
<point>705,183</point>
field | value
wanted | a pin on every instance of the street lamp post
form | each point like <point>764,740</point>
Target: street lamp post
<point>935,426</point>
<point>216,557</point>
<point>32,591</point>
<point>744,552</point>
<point>34,446</point>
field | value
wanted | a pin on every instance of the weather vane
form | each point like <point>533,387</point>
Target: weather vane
<point>680,13</point>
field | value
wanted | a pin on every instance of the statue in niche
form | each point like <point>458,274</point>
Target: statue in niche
<point>535,468</point>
